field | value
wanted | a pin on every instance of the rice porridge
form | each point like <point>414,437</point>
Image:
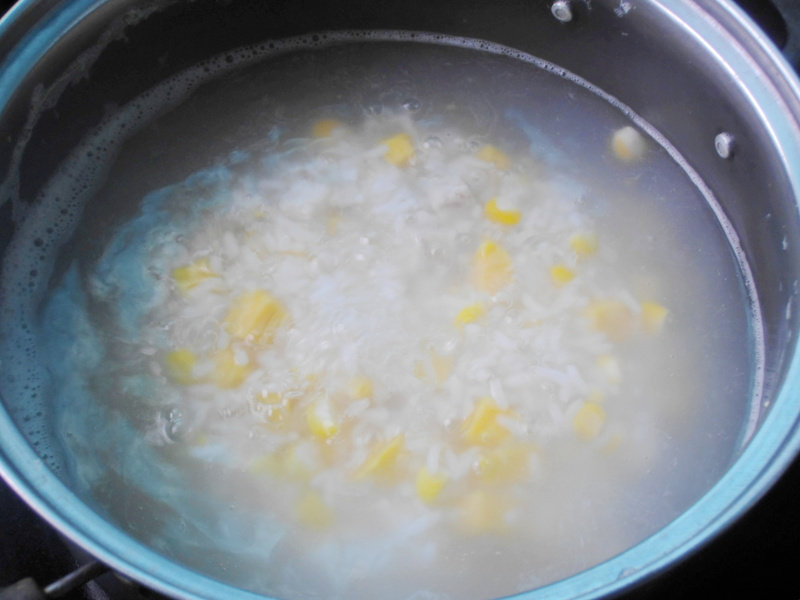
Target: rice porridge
<point>403,353</point>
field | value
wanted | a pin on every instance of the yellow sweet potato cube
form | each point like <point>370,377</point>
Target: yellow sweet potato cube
<point>484,512</point>
<point>256,316</point>
<point>502,216</point>
<point>383,459</point>
<point>506,464</point>
<point>420,370</point>
<point>190,276</point>
<point>613,318</point>
<point>583,244</point>
<point>320,420</point>
<point>231,368</point>
<point>400,149</point>
<point>561,274</point>
<point>360,387</point>
<point>470,314</point>
<point>429,485</point>
<point>180,366</point>
<point>610,367</point>
<point>278,410</point>
<point>443,365</point>
<point>324,128</point>
<point>313,512</point>
<point>589,420</point>
<point>628,144</point>
<point>494,155</point>
<point>482,426</point>
<point>653,317</point>
<point>288,463</point>
<point>492,268</point>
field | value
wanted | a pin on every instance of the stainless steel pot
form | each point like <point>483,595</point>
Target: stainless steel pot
<point>700,73</point>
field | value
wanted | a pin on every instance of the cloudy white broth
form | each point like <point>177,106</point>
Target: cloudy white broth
<point>418,320</point>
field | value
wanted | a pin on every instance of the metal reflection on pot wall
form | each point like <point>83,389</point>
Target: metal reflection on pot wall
<point>681,73</point>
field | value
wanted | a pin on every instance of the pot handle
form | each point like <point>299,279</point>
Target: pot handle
<point>790,12</point>
<point>780,20</point>
<point>27,589</point>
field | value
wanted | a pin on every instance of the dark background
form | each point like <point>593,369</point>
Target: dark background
<point>759,556</point>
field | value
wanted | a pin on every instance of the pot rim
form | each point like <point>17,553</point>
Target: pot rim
<point>773,89</point>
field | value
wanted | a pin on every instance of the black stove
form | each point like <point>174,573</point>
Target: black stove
<point>759,556</point>
<point>33,557</point>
